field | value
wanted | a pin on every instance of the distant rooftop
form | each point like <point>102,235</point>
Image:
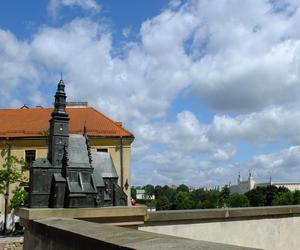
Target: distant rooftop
<point>77,104</point>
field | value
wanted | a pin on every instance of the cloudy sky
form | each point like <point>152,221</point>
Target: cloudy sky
<point>210,88</point>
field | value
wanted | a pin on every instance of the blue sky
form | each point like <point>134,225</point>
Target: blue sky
<point>210,88</point>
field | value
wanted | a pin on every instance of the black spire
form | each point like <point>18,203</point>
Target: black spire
<point>60,100</point>
<point>59,126</point>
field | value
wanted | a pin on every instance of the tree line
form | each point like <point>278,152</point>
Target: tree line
<point>167,198</point>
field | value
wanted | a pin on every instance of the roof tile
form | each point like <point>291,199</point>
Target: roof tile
<point>34,121</point>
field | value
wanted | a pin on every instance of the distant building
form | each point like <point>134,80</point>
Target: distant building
<point>142,196</point>
<point>244,186</point>
<point>191,188</point>
<point>212,188</point>
<point>174,187</point>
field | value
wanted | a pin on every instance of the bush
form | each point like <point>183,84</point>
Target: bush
<point>238,200</point>
<point>285,198</point>
<point>163,203</point>
<point>19,198</point>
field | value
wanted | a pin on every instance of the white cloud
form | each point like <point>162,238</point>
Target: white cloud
<point>54,6</point>
<point>239,56</point>
<point>279,165</point>
<point>16,68</point>
<point>270,125</point>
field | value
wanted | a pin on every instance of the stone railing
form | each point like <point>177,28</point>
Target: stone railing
<point>273,228</point>
<point>222,214</point>
<point>72,234</point>
<point>49,229</point>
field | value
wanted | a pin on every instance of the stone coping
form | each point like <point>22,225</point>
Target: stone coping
<point>60,233</point>
<point>82,213</point>
<point>222,213</point>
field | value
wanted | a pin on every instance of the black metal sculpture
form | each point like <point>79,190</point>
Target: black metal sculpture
<point>72,175</point>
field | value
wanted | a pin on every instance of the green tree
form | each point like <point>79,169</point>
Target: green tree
<point>19,199</point>
<point>163,203</point>
<point>284,198</point>
<point>208,199</point>
<point>182,188</point>
<point>271,192</point>
<point>257,196</point>
<point>296,197</point>
<point>157,192</point>
<point>170,194</point>
<point>238,200</point>
<point>12,172</point>
<point>149,190</point>
<point>151,204</point>
<point>133,193</point>
<point>224,195</point>
<point>183,200</point>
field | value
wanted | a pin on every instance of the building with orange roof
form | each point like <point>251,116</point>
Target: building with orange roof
<point>24,133</point>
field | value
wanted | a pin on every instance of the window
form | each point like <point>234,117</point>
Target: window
<point>102,150</point>
<point>29,156</point>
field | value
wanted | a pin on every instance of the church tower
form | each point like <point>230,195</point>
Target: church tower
<point>59,127</point>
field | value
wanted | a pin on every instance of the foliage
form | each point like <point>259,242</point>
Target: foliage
<point>19,198</point>
<point>224,195</point>
<point>163,203</point>
<point>168,192</point>
<point>209,199</point>
<point>284,198</point>
<point>180,198</point>
<point>149,190</point>
<point>271,192</point>
<point>182,188</point>
<point>257,196</point>
<point>151,204</point>
<point>183,200</point>
<point>296,197</point>
<point>133,193</point>
<point>238,200</point>
<point>12,172</point>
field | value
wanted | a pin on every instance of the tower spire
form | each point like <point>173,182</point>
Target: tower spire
<point>239,178</point>
<point>59,126</point>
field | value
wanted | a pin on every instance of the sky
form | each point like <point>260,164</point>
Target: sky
<point>210,88</point>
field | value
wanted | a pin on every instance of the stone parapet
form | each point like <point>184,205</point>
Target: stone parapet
<point>71,234</point>
<point>227,214</point>
<point>120,216</point>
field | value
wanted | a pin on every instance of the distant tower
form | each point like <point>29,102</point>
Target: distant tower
<point>59,127</point>
<point>239,178</point>
<point>251,181</point>
<point>270,180</point>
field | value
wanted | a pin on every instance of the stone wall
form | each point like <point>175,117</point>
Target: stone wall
<point>71,234</point>
<point>273,228</point>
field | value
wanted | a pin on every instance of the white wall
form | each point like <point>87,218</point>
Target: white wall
<point>275,234</point>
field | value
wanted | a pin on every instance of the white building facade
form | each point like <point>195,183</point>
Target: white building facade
<point>244,186</point>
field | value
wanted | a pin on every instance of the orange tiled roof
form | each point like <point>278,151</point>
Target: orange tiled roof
<point>33,122</point>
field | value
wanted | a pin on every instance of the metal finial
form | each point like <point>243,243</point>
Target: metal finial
<point>61,76</point>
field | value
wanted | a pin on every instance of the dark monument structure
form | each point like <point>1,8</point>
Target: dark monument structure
<point>72,176</point>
